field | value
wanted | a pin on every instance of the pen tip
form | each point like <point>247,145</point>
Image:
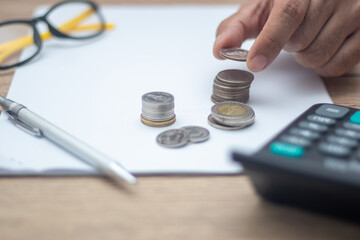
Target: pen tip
<point>117,171</point>
<point>132,180</point>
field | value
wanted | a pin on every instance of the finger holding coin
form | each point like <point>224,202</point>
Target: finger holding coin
<point>234,53</point>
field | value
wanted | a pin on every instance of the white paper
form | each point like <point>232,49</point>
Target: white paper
<point>93,90</point>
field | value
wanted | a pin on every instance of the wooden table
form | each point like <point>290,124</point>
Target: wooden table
<point>169,207</point>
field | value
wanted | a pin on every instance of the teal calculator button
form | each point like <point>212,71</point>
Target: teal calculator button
<point>286,149</point>
<point>355,118</point>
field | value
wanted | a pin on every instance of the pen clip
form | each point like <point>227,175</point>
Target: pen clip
<point>17,122</point>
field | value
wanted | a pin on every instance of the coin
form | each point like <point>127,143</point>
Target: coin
<point>235,76</point>
<point>157,116</point>
<point>232,85</point>
<point>234,53</point>
<point>158,124</point>
<point>216,99</point>
<point>158,98</point>
<point>217,125</point>
<point>158,109</point>
<point>197,134</point>
<point>173,138</point>
<point>233,114</point>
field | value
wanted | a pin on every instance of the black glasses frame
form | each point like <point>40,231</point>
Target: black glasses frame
<point>56,33</point>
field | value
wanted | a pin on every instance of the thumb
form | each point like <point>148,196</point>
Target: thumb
<point>284,18</point>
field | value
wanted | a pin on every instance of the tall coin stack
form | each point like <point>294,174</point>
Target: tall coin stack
<point>158,109</point>
<point>232,85</point>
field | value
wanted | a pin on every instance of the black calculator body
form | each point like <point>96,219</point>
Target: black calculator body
<point>313,163</point>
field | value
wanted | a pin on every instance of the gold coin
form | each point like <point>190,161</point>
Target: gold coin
<point>232,110</point>
<point>157,124</point>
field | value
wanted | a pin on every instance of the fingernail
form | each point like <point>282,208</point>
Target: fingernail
<point>258,63</point>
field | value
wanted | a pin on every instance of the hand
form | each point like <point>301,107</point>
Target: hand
<point>324,35</point>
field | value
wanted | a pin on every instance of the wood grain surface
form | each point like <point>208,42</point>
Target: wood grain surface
<point>167,207</point>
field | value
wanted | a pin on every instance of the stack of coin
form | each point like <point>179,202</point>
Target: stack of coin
<point>231,116</point>
<point>232,85</point>
<point>175,138</point>
<point>158,109</point>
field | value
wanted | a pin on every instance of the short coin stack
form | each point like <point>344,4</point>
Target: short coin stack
<point>175,138</point>
<point>232,85</point>
<point>231,116</point>
<point>158,109</point>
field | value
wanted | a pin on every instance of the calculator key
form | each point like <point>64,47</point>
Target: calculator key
<point>355,118</point>
<point>313,126</point>
<point>299,141</point>
<point>334,149</point>
<point>336,164</point>
<point>287,150</point>
<point>305,133</point>
<point>321,119</point>
<point>332,111</point>
<point>352,126</point>
<point>347,133</point>
<point>347,142</point>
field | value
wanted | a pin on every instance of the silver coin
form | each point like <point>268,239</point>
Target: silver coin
<point>157,115</point>
<point>222,92</point>
<point>197,134</point>
<point>215,99</point>
<point>173,138</point>
<point>158,118</point>
<point>217,84</point>
<point>217,125</point>
<point>234,53</point>
<point>157,98</point>
<point>235,76</point>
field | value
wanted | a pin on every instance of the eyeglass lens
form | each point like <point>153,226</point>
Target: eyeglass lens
<point>83,16</point>
<point>9,39</point>
<point>73,19</point>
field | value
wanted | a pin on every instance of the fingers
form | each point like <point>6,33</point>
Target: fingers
<point>329,40</point>
<point>246,23</point>
<point>323,34</point>
<point>284,19</point>
<point>344,60</point>
<point>318,13</point>
<point>231,33</point>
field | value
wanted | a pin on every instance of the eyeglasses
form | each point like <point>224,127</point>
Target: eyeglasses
<point>19,35</point>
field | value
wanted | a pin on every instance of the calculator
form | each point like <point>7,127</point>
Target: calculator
<point>313,163</point>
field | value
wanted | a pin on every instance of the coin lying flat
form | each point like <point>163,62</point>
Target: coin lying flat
<point>217,125</point>
<point>158,98</point>
<point>235,76</point>
<point>234,53</point>
<point>233,114</point>
<point>173,138</point>
<point>158,124</point>
<point>196,133</point>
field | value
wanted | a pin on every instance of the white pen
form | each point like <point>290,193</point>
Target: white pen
<point>38,126</point>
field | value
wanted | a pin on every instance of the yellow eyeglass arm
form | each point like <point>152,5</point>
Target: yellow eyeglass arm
<point>73,23</point>
<point>14,47</point>
<point>9,48</point>
<point>68,26</point>
<point>25,41</point>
